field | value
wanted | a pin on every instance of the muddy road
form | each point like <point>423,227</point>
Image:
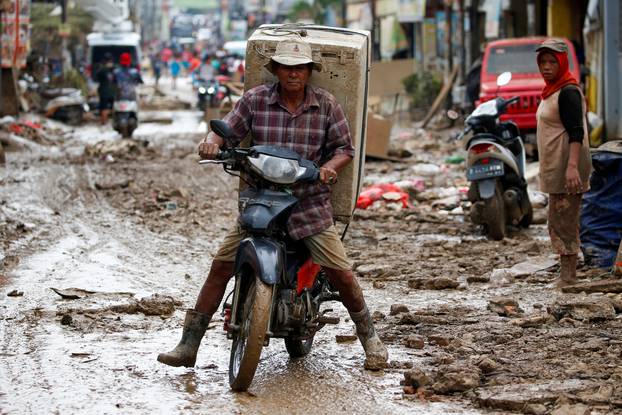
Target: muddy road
<point>105,242</point>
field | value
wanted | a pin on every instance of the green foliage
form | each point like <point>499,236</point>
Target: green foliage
<point>316,10</point>
<point>71,79</point>
<point>423,88</point>
<point>45,40</point>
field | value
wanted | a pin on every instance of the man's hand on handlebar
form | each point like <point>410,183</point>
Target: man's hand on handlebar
<point>328,175</point>
<point>209,147</point>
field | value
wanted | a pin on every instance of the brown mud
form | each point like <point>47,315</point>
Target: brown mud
<point>124,233</point>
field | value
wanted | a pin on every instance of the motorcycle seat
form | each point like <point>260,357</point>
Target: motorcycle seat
<point>58,92</point>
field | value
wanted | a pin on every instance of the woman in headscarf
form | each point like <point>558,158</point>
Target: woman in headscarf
<point>563,146</point>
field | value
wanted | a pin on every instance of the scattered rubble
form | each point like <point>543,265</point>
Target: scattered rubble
<point>452,379</point>
<point>414,341</point>
<point>602,286</point>
<point>584,309</point>
<point>15,293</point>
<point>439,283</point>
<point>504,306</point>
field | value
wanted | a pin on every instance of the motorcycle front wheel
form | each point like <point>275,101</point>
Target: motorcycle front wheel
<point>248,341</point>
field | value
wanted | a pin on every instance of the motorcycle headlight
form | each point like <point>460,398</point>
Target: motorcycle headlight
<point>202,90</point>
<point>276,169</point>
<point>210,90</point>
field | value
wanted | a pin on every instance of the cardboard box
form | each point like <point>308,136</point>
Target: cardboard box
<point>378,135</point>
<point>344,54</point>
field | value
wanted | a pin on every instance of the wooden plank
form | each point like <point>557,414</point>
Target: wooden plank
<point>441,97</point>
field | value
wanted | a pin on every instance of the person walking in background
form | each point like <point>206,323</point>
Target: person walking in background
<point>105,88</point>
<point>156,67</point>
<point>175,68</point>
<point>195,62</point>
<point>563,146</point>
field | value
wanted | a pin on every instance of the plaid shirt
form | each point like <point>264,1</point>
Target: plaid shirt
<point>317,131</point>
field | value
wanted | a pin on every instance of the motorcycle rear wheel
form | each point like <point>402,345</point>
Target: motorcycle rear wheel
<point>248,340</point>
<point>494,212</point>
<point>297,347</point>
<point>528,218</point>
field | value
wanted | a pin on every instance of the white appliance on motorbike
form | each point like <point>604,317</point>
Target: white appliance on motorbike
<point>496,167</point>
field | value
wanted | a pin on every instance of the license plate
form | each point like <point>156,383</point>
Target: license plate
<point>485,171</point>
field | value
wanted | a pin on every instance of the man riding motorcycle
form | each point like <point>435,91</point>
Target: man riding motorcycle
<point>308,120</point>
<point>126,78</point>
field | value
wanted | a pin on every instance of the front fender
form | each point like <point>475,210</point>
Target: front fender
<point>263,255</point>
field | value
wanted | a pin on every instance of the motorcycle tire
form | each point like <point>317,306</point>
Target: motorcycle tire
<point>74,115</point>
<point>298,347</point>
<point>249,339</point>
<point>528,218</point>
<point>494,212</point>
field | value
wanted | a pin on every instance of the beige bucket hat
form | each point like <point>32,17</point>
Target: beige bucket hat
<point>292,52</point>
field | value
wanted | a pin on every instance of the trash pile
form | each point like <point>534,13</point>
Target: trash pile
<point>429,180</point>
<point>109,151</point>
<point>14,130</point>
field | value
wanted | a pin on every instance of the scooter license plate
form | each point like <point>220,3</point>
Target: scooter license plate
<point>485,171</point>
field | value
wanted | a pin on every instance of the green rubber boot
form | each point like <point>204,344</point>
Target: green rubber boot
<point>376,354</point>
<point>185,353</point>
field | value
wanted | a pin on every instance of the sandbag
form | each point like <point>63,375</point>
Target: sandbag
<point>601,211</point>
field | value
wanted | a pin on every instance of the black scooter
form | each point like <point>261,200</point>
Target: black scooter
<point>278,289</point>
<point>496,168</point>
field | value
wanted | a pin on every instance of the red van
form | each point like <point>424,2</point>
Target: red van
<point>518,56</point>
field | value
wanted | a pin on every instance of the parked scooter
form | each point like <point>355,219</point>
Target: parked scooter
<point>278,289</point>
<point>125,118</point>
<point>64,104</point>
<point>496,167</point>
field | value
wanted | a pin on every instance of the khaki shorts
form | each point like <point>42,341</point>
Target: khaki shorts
<point>325,247</point>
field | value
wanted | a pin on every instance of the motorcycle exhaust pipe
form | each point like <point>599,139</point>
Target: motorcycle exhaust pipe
<point>512,205</point>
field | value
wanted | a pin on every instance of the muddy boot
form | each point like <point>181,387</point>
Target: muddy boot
<point>376,354</point>
<point>568,270</point>
<point>185,354</point>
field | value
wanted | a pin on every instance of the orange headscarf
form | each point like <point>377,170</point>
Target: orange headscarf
<point>563,78</point>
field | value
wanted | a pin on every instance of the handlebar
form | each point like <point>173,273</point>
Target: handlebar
<point>463,133</point>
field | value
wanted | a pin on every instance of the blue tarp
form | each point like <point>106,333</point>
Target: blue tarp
<point>601,212</point>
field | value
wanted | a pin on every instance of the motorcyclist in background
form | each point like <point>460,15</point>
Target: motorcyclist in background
<point>126,78</point>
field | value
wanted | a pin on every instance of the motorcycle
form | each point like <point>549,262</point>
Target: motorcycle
<point>210,93</point>
<point>278,289</point>
<point>125,118</point>
<point>64,104</point>
<point>496,167</point>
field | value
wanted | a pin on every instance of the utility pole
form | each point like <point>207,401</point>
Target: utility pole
<point>375,32</point>
<point>63,22</point>
<point>461,42</point>
<point>2,5</point>
<point>448,42</point>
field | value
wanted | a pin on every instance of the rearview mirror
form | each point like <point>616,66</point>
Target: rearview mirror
<point>453,115</point>
<point>504,78</point>
<point>221,128</point>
